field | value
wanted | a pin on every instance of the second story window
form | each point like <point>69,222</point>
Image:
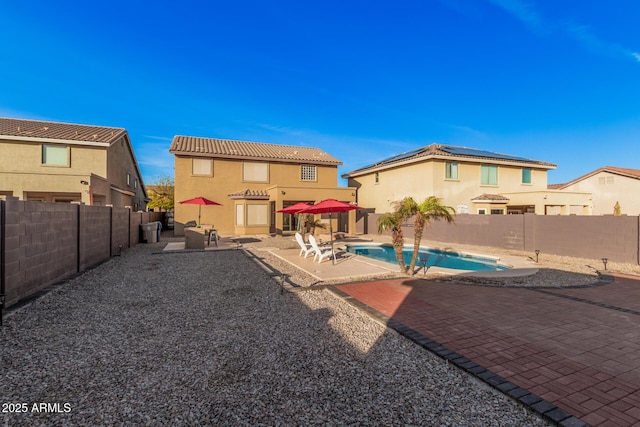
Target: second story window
<point>203,167</point>
<point>255,172</point>
<point>489,175</point>
<point>451,170</point>
<point>308,173</point>
<point>55,155</point>
<point>129,180</point>
<point>526,176</point>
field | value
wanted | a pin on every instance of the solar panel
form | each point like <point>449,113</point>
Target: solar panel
<point>463,151</point>
<point>404,155</point>
<point>400,156</point>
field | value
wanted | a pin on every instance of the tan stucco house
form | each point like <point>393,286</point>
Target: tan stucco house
<point>253,180</point>
<point>470,180</point>
<point>608,185</point>
<point>63,162</point>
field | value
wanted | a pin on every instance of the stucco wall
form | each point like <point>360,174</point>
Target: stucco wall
<point>615,188</point>
<point>120,162</point>
<point>227,178</point>
<point>21,170</point>
<point>421,180</point>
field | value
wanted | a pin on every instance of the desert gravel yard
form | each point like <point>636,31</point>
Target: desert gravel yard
<point>207,338</point>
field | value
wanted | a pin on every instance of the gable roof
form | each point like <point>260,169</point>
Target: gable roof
<point>41,131</point>
<point>231,149</point>
<point>67,133</point>
<point>447,152</point>
<point>630,173</point>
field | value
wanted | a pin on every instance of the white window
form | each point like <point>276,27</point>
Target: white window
<point>55,155</point>
<point>239,214</point>
<point>308,172</point>
<point>135,183</point>
<point>129,180</point>
<point>482,211</point>
<point>255,172</point>
<point>203,167</point>
<point>257,215</point>
<point>451,170</point>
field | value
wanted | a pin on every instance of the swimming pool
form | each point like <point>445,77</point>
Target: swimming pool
<point>433,257</point>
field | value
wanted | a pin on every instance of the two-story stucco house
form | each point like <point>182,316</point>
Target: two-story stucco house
<point>252,181</point>
<point>609,186</point>
<point>62,162</point>
<point>470,180</point>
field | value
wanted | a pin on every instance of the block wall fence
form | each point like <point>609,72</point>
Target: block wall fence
<point>594,237</point>
<point>43,243</point>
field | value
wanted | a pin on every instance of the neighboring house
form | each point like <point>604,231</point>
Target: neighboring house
<point>252,181</point>
<point>62,162</point>
<point>608,185</point>
<point>470,180</point>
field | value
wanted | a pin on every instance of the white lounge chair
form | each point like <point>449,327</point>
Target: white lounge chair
<point>305,248</point>
<point>319,253</point>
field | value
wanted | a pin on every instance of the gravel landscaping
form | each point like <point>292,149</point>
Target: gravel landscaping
<point>208,338</point>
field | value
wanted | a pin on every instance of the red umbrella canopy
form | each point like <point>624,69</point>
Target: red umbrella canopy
<point>329,206</point>
<point>199,201</point>
<point>294,209</point>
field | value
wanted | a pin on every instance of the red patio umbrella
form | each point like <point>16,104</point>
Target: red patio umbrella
<point>329,206</point>
<point>199,201</point>
<point>294,209</point>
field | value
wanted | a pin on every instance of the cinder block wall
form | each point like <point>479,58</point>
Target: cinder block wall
<point>120,230</point>
<point>95,226</point>
<point>43,243</point>
<point>40,246</point>
<point>593,237</point>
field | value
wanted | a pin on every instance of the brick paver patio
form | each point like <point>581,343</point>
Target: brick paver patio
<point>577,348</point>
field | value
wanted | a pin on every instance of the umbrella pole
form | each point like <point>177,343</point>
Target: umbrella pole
<point>331,237</point>
<point>199,211</point>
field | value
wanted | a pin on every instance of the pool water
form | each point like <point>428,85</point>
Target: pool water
<point>433,257</point>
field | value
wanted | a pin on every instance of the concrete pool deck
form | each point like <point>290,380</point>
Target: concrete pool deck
<point>349,266</point>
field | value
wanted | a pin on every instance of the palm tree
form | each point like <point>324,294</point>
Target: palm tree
<point>423,213</point>
<point>393,222</point>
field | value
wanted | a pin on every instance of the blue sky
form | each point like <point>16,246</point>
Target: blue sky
<point>557,81</point>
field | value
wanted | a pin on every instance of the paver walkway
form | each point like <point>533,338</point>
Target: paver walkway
<point>577,348</point>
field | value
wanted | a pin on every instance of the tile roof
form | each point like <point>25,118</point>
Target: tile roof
<point>36,129</point>
<point>491,198</point>
<point>631,173</point>
<point>250,194</point>
<point>226,148</point>
<point>555,186</point>
<point>442,151</point>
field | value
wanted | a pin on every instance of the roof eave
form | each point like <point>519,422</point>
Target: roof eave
<point>257,158</point>
<point>377,168</point>
<point>56,141</point>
